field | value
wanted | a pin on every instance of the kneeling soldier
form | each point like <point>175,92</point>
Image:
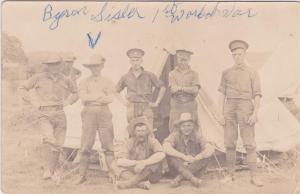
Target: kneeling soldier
<point>188,151</point>
<point>140,159</point>
<point>96,92</point>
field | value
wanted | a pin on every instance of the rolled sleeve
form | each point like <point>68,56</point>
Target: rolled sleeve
<point>155,145</point>
<point>208,147</point>
<point>82,89</point>
<point>123,151</point>
<point>30,83</point>
<point>171,139</point>
<point>255,84</point>
<point>121,84</point>
<point>201,140</point>
<point>222,87</point>
<point>195,80</point>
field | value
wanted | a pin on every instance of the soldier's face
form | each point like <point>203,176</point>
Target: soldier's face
<point>187,127</point>
<point>96,70</point>
<point>136,62</point>
<point>183,60</point>
<point>68,66</point>
<point>54,68</point>
<point>141,132</point>
<point>238,56</point>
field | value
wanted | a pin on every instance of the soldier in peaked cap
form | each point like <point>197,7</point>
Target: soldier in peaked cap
<point>139,84</point>
<point>96,93</point>
<point>239,101</point>
<point>139,160</point>
<point>50,88</point>
<point>184,85</point>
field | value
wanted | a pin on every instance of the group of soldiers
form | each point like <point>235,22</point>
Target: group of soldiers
<point>140,160</point>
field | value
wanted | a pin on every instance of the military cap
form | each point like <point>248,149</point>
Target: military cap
<point>53,60</point>
<point>235,44</point>
<point>94,60</point>
<point>138,120</point>
<point>182,51</point>
<point>135,53</point>
<point>69,58</point>
<point>184,117</point>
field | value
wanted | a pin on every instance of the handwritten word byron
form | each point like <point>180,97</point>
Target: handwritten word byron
<point>55,17</point>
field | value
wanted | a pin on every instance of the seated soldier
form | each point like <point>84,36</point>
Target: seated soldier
<point>187,150</point>
<point>139,159</point>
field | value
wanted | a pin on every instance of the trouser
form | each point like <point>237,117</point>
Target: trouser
<point>176,109</point>
<point>236,114</point>
<point>96,119</point>
<point>152,173</point>
<point>187,171</point>
<point>138,109</point>
<point>53,126</point>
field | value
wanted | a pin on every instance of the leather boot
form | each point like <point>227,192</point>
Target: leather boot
<point>176,182</point>
<point>53,161</point>
<point>84,163</point>
<point>132,182</point>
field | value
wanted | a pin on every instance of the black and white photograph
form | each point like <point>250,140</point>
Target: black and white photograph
<point>160,97</point>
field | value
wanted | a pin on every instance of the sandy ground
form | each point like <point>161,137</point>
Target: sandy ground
<point>21,170</point>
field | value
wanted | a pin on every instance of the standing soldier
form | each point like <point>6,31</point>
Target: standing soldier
<point>139,84</point>
<point>68,70</point>
<point>96,93</point>
<point>240,84</point>
<point>187,150</point>
<point>184,85</point>
<point>51,87</point>
<point>140,159</point>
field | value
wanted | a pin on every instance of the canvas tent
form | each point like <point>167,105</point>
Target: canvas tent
<point>276,130</point>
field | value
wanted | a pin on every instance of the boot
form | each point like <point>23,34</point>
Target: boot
<point>80,179</point>
<point>256,181</point>
<point>84,164</point>
<point>196,181</point>
<point>176,182</point>
<point>230,161</point>
<point>132,182</point>
<point>144,185</point>
<point>227,178</point>
<point>52,161</point>
<point>47,174</point>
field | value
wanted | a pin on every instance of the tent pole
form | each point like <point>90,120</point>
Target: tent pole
<point>220,167</point>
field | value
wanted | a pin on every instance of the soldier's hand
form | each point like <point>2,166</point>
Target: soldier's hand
<point>189,158</point>
<point>252,119</point>
<point>221,120</point>
<point>139,167</point>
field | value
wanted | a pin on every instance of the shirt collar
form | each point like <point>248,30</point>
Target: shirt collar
<point>131,71</point>
<point>136,143</point>
<point>240,67</point>
<point>188,69</point>
<point>191,137</point>
<point>95,78</point>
